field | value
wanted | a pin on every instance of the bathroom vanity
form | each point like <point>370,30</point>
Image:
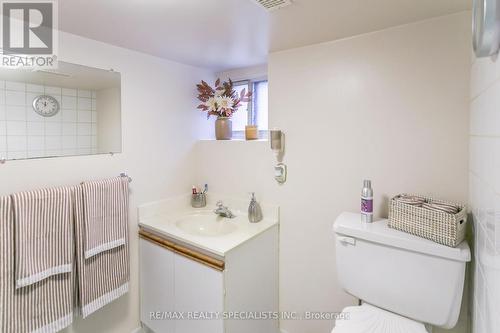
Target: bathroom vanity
<point>204,273</point>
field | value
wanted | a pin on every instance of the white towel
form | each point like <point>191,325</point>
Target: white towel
<point>105,205</point>
<point>103,277</point>
<point>43,234</point>
<point>43,307</point>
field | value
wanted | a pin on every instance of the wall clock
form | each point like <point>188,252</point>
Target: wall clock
<point>46,105</point>
<point>485,27</point>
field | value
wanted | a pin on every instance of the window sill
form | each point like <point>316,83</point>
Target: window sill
<point>235,140</point>
<point>239,136</point>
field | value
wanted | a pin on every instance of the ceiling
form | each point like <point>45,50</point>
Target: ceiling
<point>225,34</point>
<point>216,34</point>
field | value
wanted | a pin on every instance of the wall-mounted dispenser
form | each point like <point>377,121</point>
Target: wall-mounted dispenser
<point>486,27</point>
<point>277,138</point>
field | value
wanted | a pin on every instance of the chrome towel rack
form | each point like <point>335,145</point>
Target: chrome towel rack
<point>123,175</point>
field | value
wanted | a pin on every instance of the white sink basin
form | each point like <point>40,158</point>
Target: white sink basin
<point>201,229</point>
<point>208,225</point>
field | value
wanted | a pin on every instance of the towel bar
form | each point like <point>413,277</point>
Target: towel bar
<point>123,174</point>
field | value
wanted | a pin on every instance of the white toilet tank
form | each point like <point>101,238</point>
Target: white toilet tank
<point>399,272</point>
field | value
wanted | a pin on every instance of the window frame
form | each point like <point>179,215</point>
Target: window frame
<point>251,116</point>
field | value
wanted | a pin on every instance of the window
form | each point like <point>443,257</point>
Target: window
<point>254,112</point>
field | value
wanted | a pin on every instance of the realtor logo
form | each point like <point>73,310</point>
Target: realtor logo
<point>29,36</point>
<point>27,28</point>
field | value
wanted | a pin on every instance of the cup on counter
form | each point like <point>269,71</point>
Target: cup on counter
<point>198,200</point>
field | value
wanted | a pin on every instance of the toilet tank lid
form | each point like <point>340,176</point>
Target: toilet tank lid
<point>349,224</point>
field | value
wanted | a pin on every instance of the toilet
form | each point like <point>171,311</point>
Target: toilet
<point>406,284</point>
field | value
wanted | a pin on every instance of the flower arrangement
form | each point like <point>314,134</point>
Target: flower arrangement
<point>221,101</point>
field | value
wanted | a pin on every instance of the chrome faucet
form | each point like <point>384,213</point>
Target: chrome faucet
<point>223,211</point>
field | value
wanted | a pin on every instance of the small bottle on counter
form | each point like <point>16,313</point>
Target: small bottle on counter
<point>367,202</point>
<point>254,210</point>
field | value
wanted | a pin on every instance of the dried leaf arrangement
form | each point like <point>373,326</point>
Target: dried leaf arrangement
<point>222,100</point>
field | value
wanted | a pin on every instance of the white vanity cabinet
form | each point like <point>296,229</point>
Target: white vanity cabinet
<point>181,280</point>
<point>156,285</point>
<point>197,288</point>
<point>173,285</point>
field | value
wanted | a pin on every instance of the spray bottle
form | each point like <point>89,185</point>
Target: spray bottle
<point>367,202</point>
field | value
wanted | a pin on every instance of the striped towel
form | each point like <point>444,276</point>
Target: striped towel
<point>43,234</point>
<point>431,205</point>
<point>411,200</point>
<point>442,207</point>
<point>106,214</point>
<point>43,307</point>
<point>103,277</point>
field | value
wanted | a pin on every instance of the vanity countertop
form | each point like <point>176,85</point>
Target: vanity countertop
<point>200,228</point>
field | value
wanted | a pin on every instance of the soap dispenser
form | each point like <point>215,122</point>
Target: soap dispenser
<point>254,210</point>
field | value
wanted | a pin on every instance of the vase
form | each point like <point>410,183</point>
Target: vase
<point>223,128</point>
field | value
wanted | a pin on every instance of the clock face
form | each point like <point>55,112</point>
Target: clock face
<point>46,106</point>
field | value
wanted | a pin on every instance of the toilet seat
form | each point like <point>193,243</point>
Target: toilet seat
<point>370,319</point>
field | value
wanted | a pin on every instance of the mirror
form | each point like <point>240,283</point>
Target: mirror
<point>74,110</point>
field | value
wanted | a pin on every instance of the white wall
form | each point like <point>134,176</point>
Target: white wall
<point>484,192</point>
<point>247,73</point>
<point>159,122</point>
<point>391,106</point>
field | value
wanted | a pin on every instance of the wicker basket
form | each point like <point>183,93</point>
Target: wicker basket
<point>440,227</point>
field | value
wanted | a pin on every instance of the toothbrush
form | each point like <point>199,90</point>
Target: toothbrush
<point>206,188</point>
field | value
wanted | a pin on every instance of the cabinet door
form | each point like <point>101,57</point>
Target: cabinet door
<point>198,288</point>
<point>156,286</point>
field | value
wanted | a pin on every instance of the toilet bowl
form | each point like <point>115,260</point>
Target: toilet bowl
<point>405,282</point>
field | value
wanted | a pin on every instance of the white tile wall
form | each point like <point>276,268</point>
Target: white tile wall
<point>484,193</point>
<point>24,133</point>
